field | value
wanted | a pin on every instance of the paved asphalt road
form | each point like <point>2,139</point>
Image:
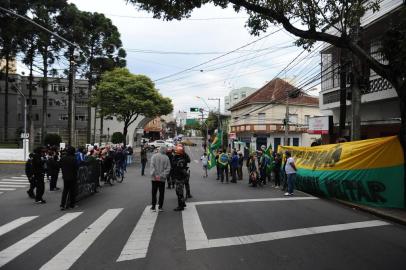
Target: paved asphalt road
<point>225,226</point>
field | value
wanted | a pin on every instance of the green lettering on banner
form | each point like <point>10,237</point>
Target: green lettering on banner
<point>368,186</point>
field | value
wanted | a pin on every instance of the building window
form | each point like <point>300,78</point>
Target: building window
<point>36,117</point>
<point>50,102</point>
<point>243,95</point>
<point>63,117</point>
<point>49,115</point>
<point>306,122</point>
<point>293,119</point>
<point>80,117</point>
<point>34,101</point>
<point>235,96</point>
<point>331,97</point>
<point>261,118</point>
<point>19,117</point>
<point>59,88</point>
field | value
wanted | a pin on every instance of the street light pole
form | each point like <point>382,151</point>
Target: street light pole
<point>25,123</point>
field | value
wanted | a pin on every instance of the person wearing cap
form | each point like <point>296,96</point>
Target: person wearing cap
<point>180,174</point>
<point>160,168</point>
<point>290,169</point>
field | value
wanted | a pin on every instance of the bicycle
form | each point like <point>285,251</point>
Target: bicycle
<point>119,173</point>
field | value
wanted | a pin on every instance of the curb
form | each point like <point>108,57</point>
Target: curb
<point>376,212</point>
<point>11,162</point>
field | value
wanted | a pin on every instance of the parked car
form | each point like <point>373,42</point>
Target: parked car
<point>156,144</point>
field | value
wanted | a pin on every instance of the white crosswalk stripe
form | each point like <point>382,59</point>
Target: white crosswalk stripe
<point>9,185</point>
<point>138,242</point>
<point>15,180</point>
<point>68,256</point>
<point>15,224</point>
<point>28,242</point>
<point>7,189</point>
<point>19,177</point>
<point>13,183</point>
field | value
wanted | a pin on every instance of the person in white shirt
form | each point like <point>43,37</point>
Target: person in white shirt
<point>290,169</point>
<point>205,161</point>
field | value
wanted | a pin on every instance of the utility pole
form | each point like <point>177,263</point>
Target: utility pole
<point>71,101</point>
<point>356,76</point>
<point>286,122</point>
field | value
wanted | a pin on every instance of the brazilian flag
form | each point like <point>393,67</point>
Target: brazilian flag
<point>268,154</point>
<point>211,159</point>
<point>217,141</point>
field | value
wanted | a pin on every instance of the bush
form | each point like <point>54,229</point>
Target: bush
<point>117,137</point>
<point>52,139</point>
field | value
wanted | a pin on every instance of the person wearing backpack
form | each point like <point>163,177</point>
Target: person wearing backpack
<point>180,174</point>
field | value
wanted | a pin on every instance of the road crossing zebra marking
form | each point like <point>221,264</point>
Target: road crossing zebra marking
<point>19,177</point>
<point>69,255</point>
<point>15,180</point>
<point>6,189</point>
<point>196,237</point>
<point>138,242</point>
<point>15,224</point>
<point>10,186</point>
<point>28,242</point>
<point>13,183</point>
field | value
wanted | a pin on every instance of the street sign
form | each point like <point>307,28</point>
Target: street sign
<point>25,135</point>
<point>318,125</point>
<point>194,110</point>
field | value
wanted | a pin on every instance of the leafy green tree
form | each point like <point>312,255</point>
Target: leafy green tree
<point>102,50</point>
<point>10,44</point>
<point>52,139</point>
<point>45,12</point>
<point>117,137</point>
<point>127,96</point>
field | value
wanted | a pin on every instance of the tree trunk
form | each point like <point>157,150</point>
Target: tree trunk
<point>343,92</point>
<point>101,127</point>
<point>45,95</point>
<point>89,95</point>
<point>6,100</point>
<point>30,118</point>
<point>125,131</point>
<point>355,107</point>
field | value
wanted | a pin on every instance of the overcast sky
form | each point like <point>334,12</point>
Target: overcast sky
<point>251,66</point>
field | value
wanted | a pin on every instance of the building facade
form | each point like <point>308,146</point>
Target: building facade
<point>236,95</point>
<point>379,111</point>
<point>57,107</point>
<point>258,119</point>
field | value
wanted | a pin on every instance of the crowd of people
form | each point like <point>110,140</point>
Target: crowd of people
<point>45,163</point>
<point>261,168</point>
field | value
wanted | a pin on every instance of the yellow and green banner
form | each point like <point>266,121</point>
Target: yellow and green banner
<point>369,172</point>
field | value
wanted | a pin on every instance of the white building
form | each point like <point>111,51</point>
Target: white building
<point>236,95</point>
<point>380,114</point>
<point>258,119</point>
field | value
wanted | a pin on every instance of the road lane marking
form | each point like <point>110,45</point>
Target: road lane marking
<point>196,237</point>
<point>255,200</point>
<point>11,186</point>
<point>72,252</point>
<point>7,189</point>
<point>19,177</point>
<point>28,242</point>
<point>138,242</point>
<point>13,183</point>
<point>265,237</point>
<point>15,180</point>
<point>15,224</point>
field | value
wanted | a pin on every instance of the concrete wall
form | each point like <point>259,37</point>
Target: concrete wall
<point>12,154</point>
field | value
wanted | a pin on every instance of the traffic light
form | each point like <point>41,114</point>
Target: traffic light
<point>194,110</point>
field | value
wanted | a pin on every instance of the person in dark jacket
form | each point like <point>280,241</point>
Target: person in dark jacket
<point>144,160</point>
<point>240,165</point>
<point>53,170</point>
<point>234,167</point>
<point>38,173</point>
<point>30,175</point>
<point>69,168</point>
<point>277,169</point>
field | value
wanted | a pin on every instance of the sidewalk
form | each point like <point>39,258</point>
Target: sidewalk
<point>393,214</point>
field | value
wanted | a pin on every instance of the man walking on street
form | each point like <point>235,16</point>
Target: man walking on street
<point>290,169</point>
<point>160,168</point>
<point>69,166</point>
<point>38,173</point>
<point>30,175</point>
<point>180,174</point>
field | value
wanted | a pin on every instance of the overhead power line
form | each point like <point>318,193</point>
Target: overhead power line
<point>218,57</point>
